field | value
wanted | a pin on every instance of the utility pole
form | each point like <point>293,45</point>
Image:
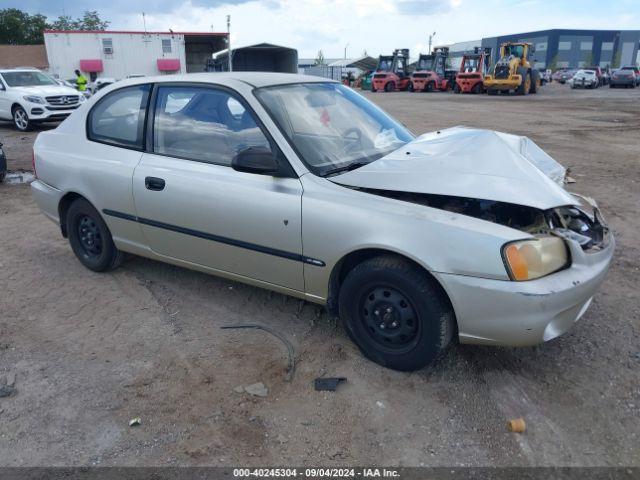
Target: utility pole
<point>430,40</point>
<point>229,42</point>
<point>144,22</point>
<point>345,51</point>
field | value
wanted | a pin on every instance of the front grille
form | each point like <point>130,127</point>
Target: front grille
<point>63,100</point>
<point>380,75</point>
<point>420,75</point>
<point>66,107</point>
<point>502,71</point>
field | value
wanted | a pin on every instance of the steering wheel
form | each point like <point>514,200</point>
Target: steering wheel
<point>351,143</point>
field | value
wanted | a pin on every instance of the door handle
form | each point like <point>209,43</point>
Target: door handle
<point>154,183</point>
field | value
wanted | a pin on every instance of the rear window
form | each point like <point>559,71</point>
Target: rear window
<point>118,118</point>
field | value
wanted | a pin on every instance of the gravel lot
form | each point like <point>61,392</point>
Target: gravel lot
<point>91,351</point>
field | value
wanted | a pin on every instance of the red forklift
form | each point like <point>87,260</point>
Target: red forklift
<point>470,78</point>
<point>431,74</point>
<point>391,73</point>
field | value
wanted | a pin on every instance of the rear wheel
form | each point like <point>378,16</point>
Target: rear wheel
<point>390,87</point>
<point>410,87</point>
<point>396,313</point>
<point>492,91</point>
<point>535,81</point>
<point>429,87</point>
<point>21,119</point>
<point>90,238</point>
<point>477,88</point>
<point>456,88</point>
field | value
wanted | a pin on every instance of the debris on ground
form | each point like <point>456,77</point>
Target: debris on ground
<point>257,389</point>
<point>239,389</point>
<point>134,422</point>
<point>517,425</point>
<point>291,366</point>
<point>6,391</point>
<point>329,384</point>
<point>10,379</point>
<point>16,178</point>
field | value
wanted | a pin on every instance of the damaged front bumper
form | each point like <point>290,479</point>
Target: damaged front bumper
<point>497,312</point>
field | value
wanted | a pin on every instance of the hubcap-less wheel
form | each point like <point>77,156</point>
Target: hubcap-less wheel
<point>90,237</point>
<point>20,118</point>
<point>390,319</point>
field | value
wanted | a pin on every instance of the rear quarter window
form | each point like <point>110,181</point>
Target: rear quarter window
<point>118,118</point>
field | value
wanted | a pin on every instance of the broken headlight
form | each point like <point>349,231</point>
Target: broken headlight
<point>535,258</point>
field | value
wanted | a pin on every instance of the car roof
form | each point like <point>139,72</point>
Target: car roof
<point>19,69</point>
<point>255,79</point>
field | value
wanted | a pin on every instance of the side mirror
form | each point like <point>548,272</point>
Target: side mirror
<point>258,160</point>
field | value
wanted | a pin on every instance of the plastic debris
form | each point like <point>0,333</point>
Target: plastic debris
<point>517,425</point>
<point>329,384</point>
<point>134,422</point>
<point>257,389</point>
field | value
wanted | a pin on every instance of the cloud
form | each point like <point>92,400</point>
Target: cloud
<point>423,7</point>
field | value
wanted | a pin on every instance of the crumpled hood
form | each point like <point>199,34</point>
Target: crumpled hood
<point>46,90</point>
<point>466,162</point>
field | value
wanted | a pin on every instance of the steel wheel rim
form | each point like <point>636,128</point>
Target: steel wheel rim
<point>90,237</point>
<point>389,319</point>
<point>20,118</point>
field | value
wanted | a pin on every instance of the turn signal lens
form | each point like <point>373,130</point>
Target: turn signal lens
<point>531,259</point>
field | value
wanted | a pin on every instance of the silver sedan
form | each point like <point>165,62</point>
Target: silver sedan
<point>303,186</point>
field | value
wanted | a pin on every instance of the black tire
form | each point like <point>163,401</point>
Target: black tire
<point>456,88</point>
<point>21,119</point>
<point>477,88</point>
<point>90,238</point>
<point>535,79</point>
<point>428,87</point>
<point>410,87</point>
<point>418,318</point>
<point>389,87</point>
<point>522,88</point>
<point>373,90</point>
<point>492,91</point>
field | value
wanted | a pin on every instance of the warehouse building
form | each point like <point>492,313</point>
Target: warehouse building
<point>576,48</point>
<point>118,54</point>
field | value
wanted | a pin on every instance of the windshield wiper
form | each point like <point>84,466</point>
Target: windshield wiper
<point>345,168</point>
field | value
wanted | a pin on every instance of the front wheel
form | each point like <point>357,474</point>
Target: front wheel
<point>396,313</point>
<point>477,88</point>
<point>456,88</point>
<point>389,87</point>
<point>90,238</point>
<point>21,119</point>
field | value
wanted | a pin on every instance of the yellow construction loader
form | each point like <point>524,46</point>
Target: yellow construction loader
<point>513,71</point>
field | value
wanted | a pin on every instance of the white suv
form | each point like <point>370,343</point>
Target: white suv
<point>28,96</point>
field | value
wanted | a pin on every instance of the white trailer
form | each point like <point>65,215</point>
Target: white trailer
<point>119,54</point>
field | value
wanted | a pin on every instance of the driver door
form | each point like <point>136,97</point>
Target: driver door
<point>194,207</point>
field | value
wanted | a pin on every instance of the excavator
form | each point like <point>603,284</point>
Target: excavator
<point>391,73</point>
<point>473,68</point>
<point>513,71</point>
<point>430,73</point>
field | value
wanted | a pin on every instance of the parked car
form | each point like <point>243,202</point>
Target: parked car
<point>636,71</point>
<point>28,96</point>
<point>3,164</point>
<point>564,75</point>
<point>584,79</point>
<point>603,78</point>
<point>623,78</point>
<point>303,186</point>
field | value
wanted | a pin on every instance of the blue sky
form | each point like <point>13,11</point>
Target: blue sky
<point>377,26</point>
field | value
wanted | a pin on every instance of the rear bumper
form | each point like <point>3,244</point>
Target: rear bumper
<point>497,312</point>
<point>47,198</point>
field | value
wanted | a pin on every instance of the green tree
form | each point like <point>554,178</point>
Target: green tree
<point>320,58</point>
<point>90,20</point>
<point>20,28</point>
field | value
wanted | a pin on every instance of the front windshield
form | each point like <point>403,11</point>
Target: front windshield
<point>27,79</point>
<point>425,63</point>
<point>331,127</point>
<point>385,65</point>
<point>470,64</point>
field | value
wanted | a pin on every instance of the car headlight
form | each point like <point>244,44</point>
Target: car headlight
<point>34,99</point>
<point>535,258</point>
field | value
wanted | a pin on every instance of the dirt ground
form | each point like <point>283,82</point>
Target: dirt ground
<point>91,351</point>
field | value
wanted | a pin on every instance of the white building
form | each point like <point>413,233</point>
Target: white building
<point>118,54</point>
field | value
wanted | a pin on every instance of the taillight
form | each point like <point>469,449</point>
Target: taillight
<point>33,163</point>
